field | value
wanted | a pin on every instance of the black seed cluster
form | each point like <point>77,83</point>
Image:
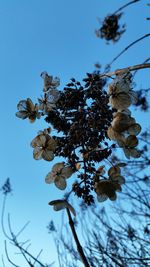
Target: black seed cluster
<point>110,29</point>
<point>83,116</point>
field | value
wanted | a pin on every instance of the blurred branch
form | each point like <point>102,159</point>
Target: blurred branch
<point>79,247</point>
<point>130,45</point>
<point>119,9</point>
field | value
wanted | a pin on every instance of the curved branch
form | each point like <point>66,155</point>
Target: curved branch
<point>119,9</point>
<point>125,49</point>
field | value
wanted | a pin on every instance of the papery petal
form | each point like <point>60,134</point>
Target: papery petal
<point>127,152</point>
<point>135,153</point>
<point>134,129</point>
<point>62,204</point>
<point>131,141</point>
<point>30,105</point>
<point>113,135</point>
<point>121,122</point>
<point>66,172</point>
<point>51,144</point>
<point>134,96</point>
<point>22,114</point>
<point>102,198</point>
<point>60,183</point>
<point>22,105</point>
<point>58,204</point>
<point>113,171</point>
<point>47,155</point>
<point>50,177</point>
<point>37,153</point>
<point>120,101</point>
<point>113,197</point>
<point>58,167</point>
<point>39,140</point>
<point>121,143</point>
<point>125,111</point>
<point>119,179</point>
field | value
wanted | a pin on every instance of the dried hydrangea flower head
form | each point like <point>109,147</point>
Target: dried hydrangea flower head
<point>58,175</point>
<point>107,188</point>
<point>26,109</point>
<point>49,81</point>
<point>120,91</point>
<point>44,146</point>
<point>51,95</point>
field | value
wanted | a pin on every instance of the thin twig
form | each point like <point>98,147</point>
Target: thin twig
<point>119,9</point>
<point>130,45</point>
<point>6,252</point>
<point>79,247</point>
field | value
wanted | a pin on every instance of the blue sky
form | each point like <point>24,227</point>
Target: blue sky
<point>56,36</point>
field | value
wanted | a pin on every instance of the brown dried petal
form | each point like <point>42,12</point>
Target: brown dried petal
<point>47,155</point>
<point>102,197</point>
<point>60,183</point>
<point>51,144</point>
<point>121,122</point>
<point>66,172</point>
<point>114,171</point>
<point>39,141</point>
<point>134,129</point>
<point>113,135</point>
<point>37,153</point>
<point>135,153</point>
<point>131,141</point>
<point>120,101</point>
<point>22,114</point>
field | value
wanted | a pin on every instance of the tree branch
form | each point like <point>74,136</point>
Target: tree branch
<point>79,247</point>
<point>125,49</point>
<point>130,68</point>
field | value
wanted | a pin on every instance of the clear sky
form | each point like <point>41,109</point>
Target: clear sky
<point>56,36</point>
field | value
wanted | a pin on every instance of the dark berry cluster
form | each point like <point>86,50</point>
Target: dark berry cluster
<point>110,29</point>
<point>82,115</point>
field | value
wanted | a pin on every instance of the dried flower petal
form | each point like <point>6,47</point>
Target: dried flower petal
<point>60,183</point>
<point>134,129</point>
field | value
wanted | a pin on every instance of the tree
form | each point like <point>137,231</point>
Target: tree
<point>87,119</point>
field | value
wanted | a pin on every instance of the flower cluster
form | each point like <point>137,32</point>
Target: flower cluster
<point>83,118</point>
<point>26,109</point>
<point>110,29</point>
<point>124,128</point>
<point>44,146</point>
<point>107,188</point>
<point>58,175</point>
